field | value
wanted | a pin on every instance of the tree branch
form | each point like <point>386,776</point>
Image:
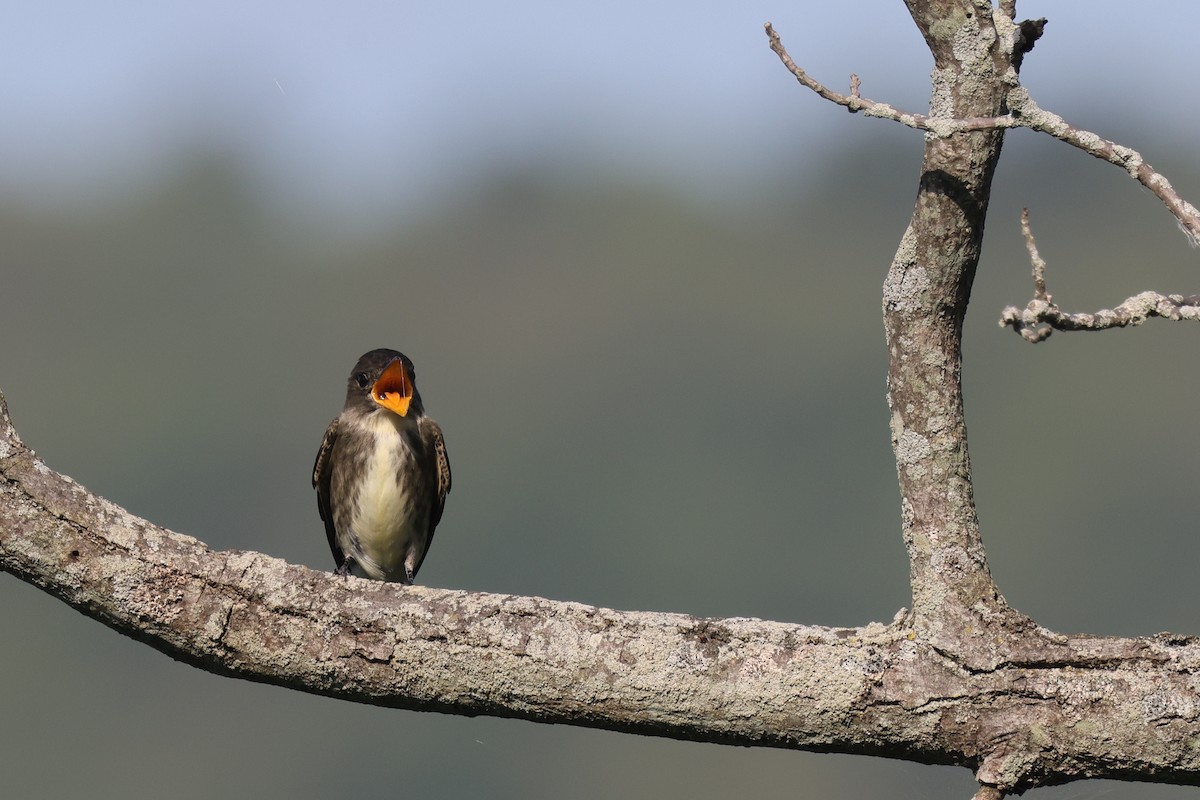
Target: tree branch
<point>855,102</point>
<point>961,679</point>
<point>925,297</point>
<point>1023,112</point>
<point>1042,316</point>
<point>1033,714</point>
<point>251,616</point>
<point>1032,116</point>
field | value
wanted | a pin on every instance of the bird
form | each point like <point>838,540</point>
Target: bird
<point>382,473</point>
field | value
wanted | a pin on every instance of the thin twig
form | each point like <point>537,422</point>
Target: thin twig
<point>1024,113</point>
<point>1039,319</point>
<point>855,102</point>
<point>1039,266</point>
<point>1036,118</point>
<point>1042,317</point>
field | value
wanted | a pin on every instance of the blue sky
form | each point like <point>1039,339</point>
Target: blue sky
<point>351,106</point>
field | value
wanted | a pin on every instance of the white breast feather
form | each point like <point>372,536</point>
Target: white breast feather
<point>382,518</point>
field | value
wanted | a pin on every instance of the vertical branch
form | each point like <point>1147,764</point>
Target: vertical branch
<point>925,299</point>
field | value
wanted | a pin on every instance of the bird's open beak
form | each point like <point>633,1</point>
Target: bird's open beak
<point>393,390</point>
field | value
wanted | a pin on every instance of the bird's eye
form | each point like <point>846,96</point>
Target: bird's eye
<point>361,379</point>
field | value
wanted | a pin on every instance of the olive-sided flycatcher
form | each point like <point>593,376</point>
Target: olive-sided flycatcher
<point>382,474</point>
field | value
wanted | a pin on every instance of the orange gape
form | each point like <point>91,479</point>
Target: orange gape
<point>393,390</point>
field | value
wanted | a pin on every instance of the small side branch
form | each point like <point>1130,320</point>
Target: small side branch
<point>855,102</point>
<point>1041,317</point>
<point>1039,265</point>
<point>1023,113</point>
<point>1036,118</point>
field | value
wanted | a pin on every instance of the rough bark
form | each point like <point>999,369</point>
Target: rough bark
<point>925,299</point>
<point>960,679</point>
<point>1072,707</point>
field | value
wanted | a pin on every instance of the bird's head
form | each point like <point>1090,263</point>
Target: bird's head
<point>384,379</point>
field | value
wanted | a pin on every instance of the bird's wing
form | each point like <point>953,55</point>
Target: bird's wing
<point>322,471</point>
<point>432,433</point>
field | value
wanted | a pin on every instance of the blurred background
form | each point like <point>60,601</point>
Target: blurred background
<point>638,268</point>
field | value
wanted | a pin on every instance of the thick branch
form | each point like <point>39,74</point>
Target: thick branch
<point>925,299</point>
<point>251,616</point>
<point>975,49</point>
<point>1077,707</point>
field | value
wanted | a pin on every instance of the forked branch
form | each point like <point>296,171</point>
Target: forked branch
<point>1041,317</point>
<point>1023,113</point>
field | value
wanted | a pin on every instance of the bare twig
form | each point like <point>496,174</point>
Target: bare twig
<point>1039,266</point>
<point>1036,118</point>
<point>1023,113</point>
<point>855,102</point>
<point>1042,317</point>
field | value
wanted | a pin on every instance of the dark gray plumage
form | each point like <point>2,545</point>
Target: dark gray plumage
<point>382,473</point>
